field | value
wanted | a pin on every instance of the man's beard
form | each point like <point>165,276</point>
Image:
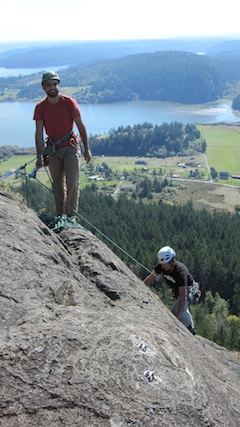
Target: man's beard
<point>53,93</point>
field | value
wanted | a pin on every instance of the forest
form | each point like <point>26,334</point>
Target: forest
<point>208,243</point>
<point>166,140</point>
<point>171,76</point>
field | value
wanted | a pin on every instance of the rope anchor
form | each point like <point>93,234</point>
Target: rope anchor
<point>149,375</point>
<point>142,346</point>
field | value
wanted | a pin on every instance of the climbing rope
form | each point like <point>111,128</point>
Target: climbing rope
<point>59,223</point>
<point>62,222</point>
<point>112,242</point>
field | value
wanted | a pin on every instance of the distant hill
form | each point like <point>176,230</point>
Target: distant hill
<point>227,49</point>
<point>36,54</point>
<point>107,72</point>
<point>171,76</point>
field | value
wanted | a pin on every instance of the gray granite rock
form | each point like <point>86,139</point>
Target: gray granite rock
<point>83,342</point>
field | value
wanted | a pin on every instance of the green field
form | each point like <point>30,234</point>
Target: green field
<point>27,163</point>
<point>223,147</point>
<point>17,161</point>
<point>223,153</point>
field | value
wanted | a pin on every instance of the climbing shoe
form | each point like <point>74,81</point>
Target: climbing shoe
<point>192,330</point>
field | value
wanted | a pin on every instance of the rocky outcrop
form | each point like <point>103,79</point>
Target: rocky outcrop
<point>85,343</point>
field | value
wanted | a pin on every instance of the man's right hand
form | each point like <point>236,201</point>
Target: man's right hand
<point>42,161</point>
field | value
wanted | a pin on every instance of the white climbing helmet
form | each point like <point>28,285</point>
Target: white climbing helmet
<point>165,254</point>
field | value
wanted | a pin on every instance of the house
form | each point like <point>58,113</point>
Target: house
<point>192,164</point>
<point>141,162</point>
<point>236,176</point>
<point>223,175</point>
<point>127,187</point>
<point>95,178</point>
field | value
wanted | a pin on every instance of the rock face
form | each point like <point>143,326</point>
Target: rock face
<point>79,333</point>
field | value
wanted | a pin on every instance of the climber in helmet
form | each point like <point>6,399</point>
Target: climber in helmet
<point>55,116</point>
<point>178,278</point>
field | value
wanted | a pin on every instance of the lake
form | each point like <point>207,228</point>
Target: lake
<point>14,72</point>
<point>17,126</point>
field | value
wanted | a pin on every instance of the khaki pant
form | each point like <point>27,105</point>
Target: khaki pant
<point>64,166</point>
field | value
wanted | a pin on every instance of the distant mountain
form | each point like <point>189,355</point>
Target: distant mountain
<point>226,46</point>
<point>167,75</point>
<point>32,55</point>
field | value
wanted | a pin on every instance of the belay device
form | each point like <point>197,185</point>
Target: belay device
<point>194,293</point>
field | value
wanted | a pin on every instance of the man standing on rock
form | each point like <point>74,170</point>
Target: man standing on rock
<point>178,278</point>
<point>56,115</point>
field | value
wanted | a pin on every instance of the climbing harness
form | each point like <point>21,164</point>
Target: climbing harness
<point>194,293</point>
<point>71,137</point>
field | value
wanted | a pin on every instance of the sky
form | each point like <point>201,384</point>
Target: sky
<point>27,20</point>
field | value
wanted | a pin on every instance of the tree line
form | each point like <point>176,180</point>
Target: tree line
<point>7,151</point>
<point>172,76</point>
<point>168,139</point>
<point>146,140</point>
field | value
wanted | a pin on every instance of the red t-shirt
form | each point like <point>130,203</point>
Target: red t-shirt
<point>58,119</point>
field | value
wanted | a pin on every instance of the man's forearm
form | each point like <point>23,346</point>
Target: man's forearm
<point>180,308</point>
<point>39,143</point>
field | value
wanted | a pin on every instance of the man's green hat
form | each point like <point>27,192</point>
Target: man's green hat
<point>48,75</point>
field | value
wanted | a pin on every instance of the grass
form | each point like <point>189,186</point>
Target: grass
<point>9,95</point>
<point>117,164</point>
<point>223,153</point>
<point>17,161</point>
<point>223,147</point>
